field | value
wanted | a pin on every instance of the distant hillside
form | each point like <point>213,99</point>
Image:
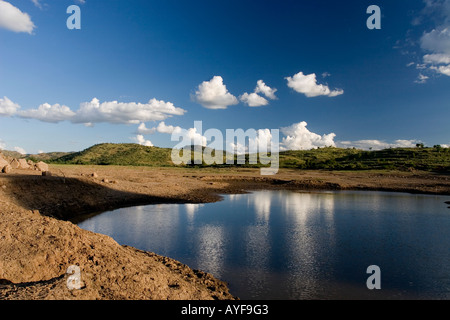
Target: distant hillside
<point>12,154</point>
<point>49,156</point>
<point>119,154</point>
<point>428,159</point>
<point>35,157</point>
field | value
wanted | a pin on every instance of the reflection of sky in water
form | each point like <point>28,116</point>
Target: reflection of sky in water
<point>280,244</point>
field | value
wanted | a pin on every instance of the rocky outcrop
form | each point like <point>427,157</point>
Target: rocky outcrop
<point>23,164</point>
<point>15,164</point>
<point>7,164</point>
<point>6,169</point>
<point>3,163</point>
<point>41,166</point>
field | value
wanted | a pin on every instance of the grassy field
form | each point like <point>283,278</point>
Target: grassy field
<point>434,159</point>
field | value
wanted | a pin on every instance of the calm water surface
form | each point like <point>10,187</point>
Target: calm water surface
<point>287,245</point>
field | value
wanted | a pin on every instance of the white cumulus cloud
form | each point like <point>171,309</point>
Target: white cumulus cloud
<point>11,18</point>
<point>95,111</point>
<point>163,128</point>
<point>196,137</point>
<point>7,107</point>
<point>437,58</point>
<point>260,141</point>
<point>213,94</point>
<point>269,92</point>
<point>442,69</point>
<point>20,150</point>
<point>125,113</point>
<point>263,140</point>
<point>253,99</point>
<point>307,84</point>
<point>142,129</point>
<point>298,137</point>
<point>190,134</point>
<point>139,139</point>
<point>48,113</point>
<point>437,41</point>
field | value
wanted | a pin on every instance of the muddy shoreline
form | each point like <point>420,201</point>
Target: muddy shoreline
<point>38,242</point>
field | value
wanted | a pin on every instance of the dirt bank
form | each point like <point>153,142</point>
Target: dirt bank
<point>38,244</point>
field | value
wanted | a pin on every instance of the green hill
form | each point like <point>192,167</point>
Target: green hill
<point>119,154</point>
<point>427,159</point>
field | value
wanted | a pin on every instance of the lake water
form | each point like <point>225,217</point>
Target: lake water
<point>288,245</point>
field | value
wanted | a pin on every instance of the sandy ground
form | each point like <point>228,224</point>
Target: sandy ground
<point>38,242</point>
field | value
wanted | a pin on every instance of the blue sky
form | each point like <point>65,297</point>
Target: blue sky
<point>137,71</point>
